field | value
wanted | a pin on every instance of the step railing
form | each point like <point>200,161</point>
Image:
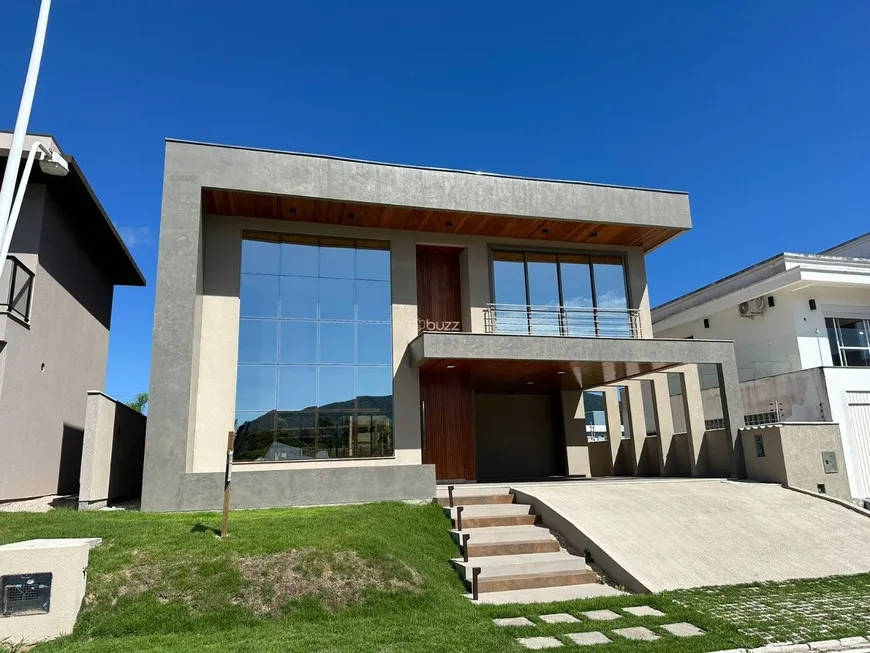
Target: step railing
<point>567,321</point>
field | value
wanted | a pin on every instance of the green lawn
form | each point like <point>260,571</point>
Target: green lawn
<point>356,578</point>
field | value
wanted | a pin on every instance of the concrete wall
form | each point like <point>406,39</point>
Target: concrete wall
<point>516,436</point>
<point>67,561</point>
<point>114,451</point>
<point>50,364</point>
<point>793,456</point>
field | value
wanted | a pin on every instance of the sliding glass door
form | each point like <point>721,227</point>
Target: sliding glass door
<point>542,293</point>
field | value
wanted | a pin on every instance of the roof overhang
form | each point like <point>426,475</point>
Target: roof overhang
<point>501,362</point>
<point>91,220</point>
<point>784,272</point>
<point>289,186</point>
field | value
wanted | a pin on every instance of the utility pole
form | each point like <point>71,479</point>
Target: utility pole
<point>7,189</point>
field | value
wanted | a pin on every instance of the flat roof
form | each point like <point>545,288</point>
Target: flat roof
<point>75,192</point>
<point>416,167</point>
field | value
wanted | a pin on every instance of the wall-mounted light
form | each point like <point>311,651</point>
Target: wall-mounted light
<point>292,210</point>
<point>448,224</point>
<point>545,231</point>
<point>812,304</point>
<point>706,323</point>
<point>594,234</point>
<point>351,217</point>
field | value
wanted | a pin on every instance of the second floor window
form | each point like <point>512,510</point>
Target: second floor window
<point>560,294</point>
<point>849,338</point>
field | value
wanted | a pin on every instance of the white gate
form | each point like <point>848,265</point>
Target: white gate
<point>859,418</point>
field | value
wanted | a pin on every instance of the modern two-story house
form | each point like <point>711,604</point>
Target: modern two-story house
<point>801,330</point>
<point>366,330</point>
<point>56,291</point>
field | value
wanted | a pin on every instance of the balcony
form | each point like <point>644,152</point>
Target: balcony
<point>567,321</point>
<point>16,288</point>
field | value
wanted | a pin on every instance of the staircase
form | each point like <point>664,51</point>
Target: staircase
<point>509,552</point>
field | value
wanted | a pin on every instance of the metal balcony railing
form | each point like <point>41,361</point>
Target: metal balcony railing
<point>568,321</point>
<point>16,288</point>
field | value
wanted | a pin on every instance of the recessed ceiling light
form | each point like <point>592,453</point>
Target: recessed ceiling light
<point>450,367</point>
<point>530,383</point>
<point>559,372</point>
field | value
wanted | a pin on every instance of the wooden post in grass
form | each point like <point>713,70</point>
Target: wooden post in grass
<point>225,518</point>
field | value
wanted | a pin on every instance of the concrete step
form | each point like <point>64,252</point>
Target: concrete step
<point>490,510</point>
<point>475,499</point>
<point>497,534</point>
<point>531,581</point>
<point>521,565</point>
<point>498,520</point>
<point>547,594</point>
<point>512,548</point>
<point>471,489</point>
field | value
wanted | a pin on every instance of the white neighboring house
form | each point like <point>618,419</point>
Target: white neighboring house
<point>801,330</point>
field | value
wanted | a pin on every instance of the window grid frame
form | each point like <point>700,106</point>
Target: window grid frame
<point>356,412</point>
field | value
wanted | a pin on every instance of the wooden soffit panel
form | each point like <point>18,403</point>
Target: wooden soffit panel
<point>300,209</point>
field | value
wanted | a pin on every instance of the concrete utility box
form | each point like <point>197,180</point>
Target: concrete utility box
<point>42,584</point>
<point>806,455</point>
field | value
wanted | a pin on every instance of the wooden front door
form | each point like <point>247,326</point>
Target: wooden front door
<point>446,397</point>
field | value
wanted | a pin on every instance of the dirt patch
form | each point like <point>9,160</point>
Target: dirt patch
<point>337,579</point>
<point>169,581</point>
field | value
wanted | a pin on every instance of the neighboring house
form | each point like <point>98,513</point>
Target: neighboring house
<point>801,330</point>
<point>55,308</point>
<point>366,329</point>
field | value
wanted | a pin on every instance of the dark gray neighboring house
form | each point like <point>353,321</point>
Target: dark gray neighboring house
<point>56,292</point>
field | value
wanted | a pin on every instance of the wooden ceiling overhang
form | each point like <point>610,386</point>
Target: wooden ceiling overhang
<point>383,216</point>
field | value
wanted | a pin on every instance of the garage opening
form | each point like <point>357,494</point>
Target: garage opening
<point>518,436</point>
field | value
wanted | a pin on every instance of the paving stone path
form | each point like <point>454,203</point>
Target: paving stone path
<point>594,638</point>
<point>796,612</point>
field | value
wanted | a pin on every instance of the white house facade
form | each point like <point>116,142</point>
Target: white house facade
<point>801,330</point>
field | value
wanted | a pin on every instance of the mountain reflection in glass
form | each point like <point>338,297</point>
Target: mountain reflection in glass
<point>315,377</point>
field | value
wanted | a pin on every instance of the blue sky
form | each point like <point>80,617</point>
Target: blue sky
<point>761,110</point>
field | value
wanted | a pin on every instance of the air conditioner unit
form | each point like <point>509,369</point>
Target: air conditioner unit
<point>751,308</point>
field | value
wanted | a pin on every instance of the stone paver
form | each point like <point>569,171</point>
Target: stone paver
<point>795,612</point>
<point>683,629</point>
<point>825,645</point>
<point>600,615</point>
<point>588,639</point>
<point>537,643</point>
<point>781,648</point>
<point>644,611</point>
<point>853,641</point>
<point>638,632</point>
<point>559,618</point>
<point>513,621</point>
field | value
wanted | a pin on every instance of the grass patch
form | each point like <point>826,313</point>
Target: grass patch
<point>360,579</point>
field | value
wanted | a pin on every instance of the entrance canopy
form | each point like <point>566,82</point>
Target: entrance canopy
<point>501,362</point>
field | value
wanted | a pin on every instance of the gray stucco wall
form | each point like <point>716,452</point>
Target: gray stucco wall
<point>50,364</point>
<point>113,452</point>
<point>516,436</point>
<point>793,456</point>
